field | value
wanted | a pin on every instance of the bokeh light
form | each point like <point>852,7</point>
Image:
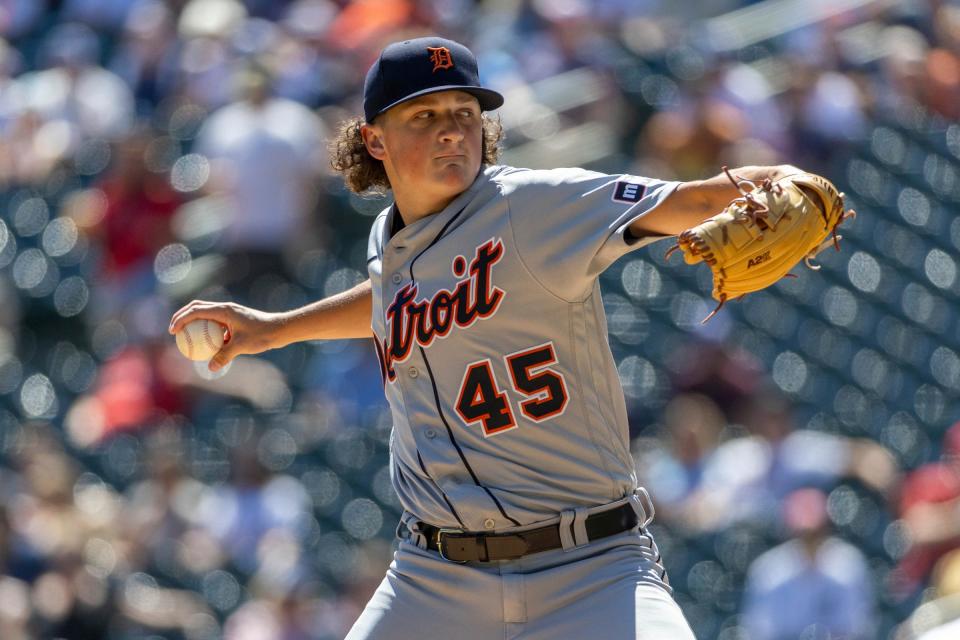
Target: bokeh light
<point>864,272</point>
<point>341,280</point>
<point>945,366</point>
<point>941,268</point>
<point>840,306</point>
<point>917,303</point>
<point>60,237</point>
<point>190,172</point>
<point>638,376</point>
<point>31,217</point>
<point>38,397</point>
<point>11,373</point>
<point>221,589</point>
<point>362,518</point>
<point>30,268</point>
<point>641,280</point>
<point>173,263</point>
<point>92,157</point>
<point>914,206</point>
<point>626,322</point>
<point>71,296</point>
<point>789,372</point>
<point>8,245</point>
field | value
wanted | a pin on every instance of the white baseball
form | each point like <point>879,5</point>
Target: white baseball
<point>200,339</point>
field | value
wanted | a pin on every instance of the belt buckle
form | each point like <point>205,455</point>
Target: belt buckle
<point>440,534</point>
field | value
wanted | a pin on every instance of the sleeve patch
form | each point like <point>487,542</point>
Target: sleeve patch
<point>629,192</point>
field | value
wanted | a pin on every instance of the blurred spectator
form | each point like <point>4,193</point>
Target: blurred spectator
<point>945,631</point>
<point>75,93</point>
<point>674,473</point>
<point>146,56</point>
<point>295,614</point>
<point>939,617</point>
<point>253,509</point>
<point>728,376</point>
<point>165,515</point>
<point>25,158</point>
<point>905,49</point>
<point>827,111</point>
<point>693,142</point>
<point>265,155</point>
<point>15,608</point>
<point>17,17</point>
<point>72,602</point>
<point>751,92</point>
<point>929,504</point>
<point>812,586</point>
<point>11,62</point>
<point>309,67</point>
<point>57,513</point>
<point>207,60</point>
<point>133,391</point>
<point>746,477</point>
<point>942,86</point>
<point>105,15</point>
<point>52,113</point>
<point>137,207</point>
<point>18,558</point>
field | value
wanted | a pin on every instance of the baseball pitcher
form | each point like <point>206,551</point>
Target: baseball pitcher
<point>509,452</point>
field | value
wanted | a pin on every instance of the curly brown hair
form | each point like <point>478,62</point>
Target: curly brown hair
<point>364,174</point>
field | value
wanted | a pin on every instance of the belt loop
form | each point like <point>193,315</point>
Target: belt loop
<point>413,526</point>
<point>643,505</point>
<point>580,526</point>
<point>566,530</point>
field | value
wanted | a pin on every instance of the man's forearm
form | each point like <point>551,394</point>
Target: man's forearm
<point>710,196</point>
<point>344,315</point>
<point>695,201</point>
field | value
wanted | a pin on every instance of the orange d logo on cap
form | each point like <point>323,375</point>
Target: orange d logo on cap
<point>440,57</point>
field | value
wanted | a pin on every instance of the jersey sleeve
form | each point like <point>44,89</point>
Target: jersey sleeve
<point>571,224</point>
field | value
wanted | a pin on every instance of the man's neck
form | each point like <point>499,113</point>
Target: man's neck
<point>414,204</point>
<point>413,209</point>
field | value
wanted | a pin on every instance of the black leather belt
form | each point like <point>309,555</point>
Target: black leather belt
<point>461,546</point>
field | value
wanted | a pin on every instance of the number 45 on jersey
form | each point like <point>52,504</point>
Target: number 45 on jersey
<point>543,389</point>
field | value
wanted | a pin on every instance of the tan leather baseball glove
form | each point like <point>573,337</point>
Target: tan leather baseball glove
<point>762,234</point>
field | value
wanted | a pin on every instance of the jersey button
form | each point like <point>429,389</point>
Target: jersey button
<point>412,372</point>
<point>430,433</point>
<point>397,278</point>
<point>489,523</point>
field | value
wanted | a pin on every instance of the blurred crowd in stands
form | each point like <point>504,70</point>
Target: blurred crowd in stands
<point>155,151</point>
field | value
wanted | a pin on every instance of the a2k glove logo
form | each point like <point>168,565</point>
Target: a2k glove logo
<point>629,192</point>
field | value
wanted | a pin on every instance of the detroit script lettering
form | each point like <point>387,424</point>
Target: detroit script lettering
<point>410,320</point>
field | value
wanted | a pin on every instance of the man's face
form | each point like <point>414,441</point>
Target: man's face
<point>430,146</point>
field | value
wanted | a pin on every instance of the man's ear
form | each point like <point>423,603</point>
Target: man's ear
<point>373,139</point>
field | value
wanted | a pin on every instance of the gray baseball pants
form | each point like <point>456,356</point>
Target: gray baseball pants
<point>612,588</point>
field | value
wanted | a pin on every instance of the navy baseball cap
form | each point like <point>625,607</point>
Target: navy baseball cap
<point>412,68</point>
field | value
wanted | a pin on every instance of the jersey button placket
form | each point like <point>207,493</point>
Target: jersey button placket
<point>413,372</point>
<point>396,278</point>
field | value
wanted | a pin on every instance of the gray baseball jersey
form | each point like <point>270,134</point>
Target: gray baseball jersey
<point>492,341</point>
